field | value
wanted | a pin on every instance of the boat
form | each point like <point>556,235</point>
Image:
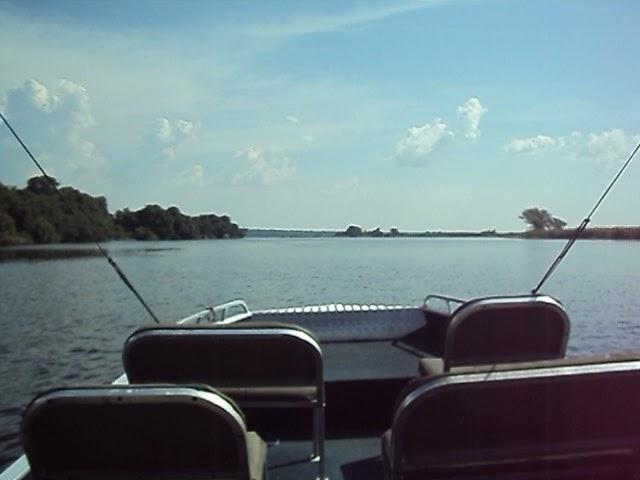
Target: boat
<point>450,388</point>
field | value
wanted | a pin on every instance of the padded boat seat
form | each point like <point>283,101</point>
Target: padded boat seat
<point>272,394</point>
<point>569,418</point>
<point>258,364</point>
<point>139,432</point>
<point>250,361</point>
<point>430,365</point>
<point>502,330</point>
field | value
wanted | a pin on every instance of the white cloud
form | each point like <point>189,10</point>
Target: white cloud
<point>194,175</point>
<point>611,146</point>
<point>264,167</point>
<point>419,142</point>
<point>344,187</point>
<point>471,112</point>
<point>184,127</point>
<point>55,123</point>
<point>163,129</point>
<point>607,146</point>
<point>322,22</point>
<point>532,144</point>
<point>169,152</point>
<point>292,119</point>
<point>172,134</point>
<point>308,138</point>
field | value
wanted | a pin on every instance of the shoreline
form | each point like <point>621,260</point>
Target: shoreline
<point>597,233</point>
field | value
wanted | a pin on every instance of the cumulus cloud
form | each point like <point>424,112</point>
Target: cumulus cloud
<point>607,146</point>
<point>55,122</point>
<point>611,146</point>
<point>194,175</point>
<point>292,119</point>
<point>344,187</point>
<point>471,113</point>
<point>263,167</point>
<point>420,141</point>
<point>171,134</point>
<point>163,129</point>
<point>531,144</point>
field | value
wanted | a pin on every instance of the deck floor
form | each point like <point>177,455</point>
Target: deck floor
<point>369,360</point>
<point>346,459</point>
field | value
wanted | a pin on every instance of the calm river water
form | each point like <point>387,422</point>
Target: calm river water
<point>64,314</point>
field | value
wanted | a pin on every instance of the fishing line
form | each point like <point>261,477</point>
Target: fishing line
<point>111,261</point>
<point>584,223</point>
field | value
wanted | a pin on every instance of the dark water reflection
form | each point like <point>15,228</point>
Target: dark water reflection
<point>64,315</point>
<point>64,252</point>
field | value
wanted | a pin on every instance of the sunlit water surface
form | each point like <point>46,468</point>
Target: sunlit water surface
<point>64,314</point>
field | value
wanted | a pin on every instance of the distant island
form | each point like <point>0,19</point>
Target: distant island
<point>36,214</point>
<point>357,231</point>
<point>541,225</point>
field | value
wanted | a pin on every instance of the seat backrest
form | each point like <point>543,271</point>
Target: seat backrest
<point>244,354</point>
<point>564,418</point>
<point>506,329</point>
<point>134,432</point>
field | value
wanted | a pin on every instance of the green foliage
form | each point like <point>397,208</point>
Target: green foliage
<point>353,231</point>
<point>540,219</point>
<point>42,185</point>
<point>41,230</point>
<point>36,214</point>
<point>8,232</point>
<point>154,222</point>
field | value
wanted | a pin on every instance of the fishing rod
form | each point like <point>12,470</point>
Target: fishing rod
<point>101,249</point>
<point>583,225</point>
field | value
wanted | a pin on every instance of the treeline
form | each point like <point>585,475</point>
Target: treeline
<point>356,231</point>
<point>596,233</point>
<point>37,214</point>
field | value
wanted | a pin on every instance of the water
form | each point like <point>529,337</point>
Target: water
<point>64,314</point>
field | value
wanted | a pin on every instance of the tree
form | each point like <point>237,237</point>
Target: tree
<point>353,231</point>
<point>40,185</point>
<point>541,219</point>
<point>41,231</point>
<point>35,215</point>
<point>557,223</point>
<point>7,229</point>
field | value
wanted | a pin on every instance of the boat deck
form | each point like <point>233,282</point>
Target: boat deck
<point>347,458</point>
<point>368,360</point>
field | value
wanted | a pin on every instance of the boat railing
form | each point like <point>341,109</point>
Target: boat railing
<point>230,312</point>
<point>443,298</point>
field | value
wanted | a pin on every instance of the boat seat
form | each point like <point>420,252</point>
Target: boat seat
<point>258,364</point>
<point>139,432</point>
<point>568,418</point>
<point>502,330</point>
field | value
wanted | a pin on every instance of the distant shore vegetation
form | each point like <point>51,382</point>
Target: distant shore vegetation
<point>36,214</point>
<point>540,223</point>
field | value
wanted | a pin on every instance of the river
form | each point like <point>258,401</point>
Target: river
<point>64,314</point>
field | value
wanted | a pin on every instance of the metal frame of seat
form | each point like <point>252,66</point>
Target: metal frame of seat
<point>92,409</point>
<point>465,316</point>
<point>261,331</point>
<point>580,446</point>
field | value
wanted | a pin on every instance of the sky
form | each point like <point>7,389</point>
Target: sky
<point>430,115</point>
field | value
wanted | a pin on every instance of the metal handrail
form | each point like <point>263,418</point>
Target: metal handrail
<point>219,314</point>
<point>446,299</point>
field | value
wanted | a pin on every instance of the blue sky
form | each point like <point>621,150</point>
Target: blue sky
<point>422,115</point>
